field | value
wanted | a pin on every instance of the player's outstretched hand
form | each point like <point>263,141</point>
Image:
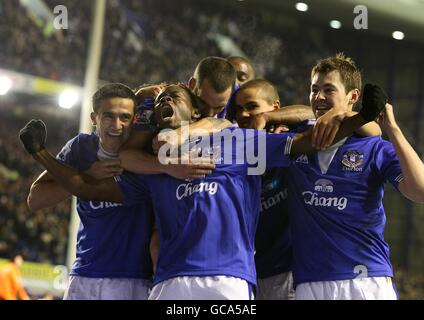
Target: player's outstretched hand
<point>326,127</point>
<point>104,169</point>
<point>33,136</point>
<point>373,101</point>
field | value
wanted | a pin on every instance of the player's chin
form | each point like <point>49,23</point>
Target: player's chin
<point>320,112</point>
<point>168,123</point>
<point>243,122</point>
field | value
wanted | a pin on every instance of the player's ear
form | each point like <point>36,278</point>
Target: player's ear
<point>195,114</point>
<point>355,94</point>
<point>93,118</point>
<point>276,104</point>
<point>191,83</point>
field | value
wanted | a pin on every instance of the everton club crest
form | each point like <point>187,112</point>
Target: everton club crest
<point>352,160</point>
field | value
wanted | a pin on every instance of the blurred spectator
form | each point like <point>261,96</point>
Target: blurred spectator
<point>11,287</point>
<point>40,236</point>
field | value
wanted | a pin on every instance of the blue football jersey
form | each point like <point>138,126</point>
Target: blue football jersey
<point>113,239</point>
<point>223,113</point>
<point>273,241</point>
<point>337,217</point>
<point>274,252</point>
<point>207,226</point>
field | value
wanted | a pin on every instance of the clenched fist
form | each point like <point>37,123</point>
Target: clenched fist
<point>373,101</point>
<point>33,136</point>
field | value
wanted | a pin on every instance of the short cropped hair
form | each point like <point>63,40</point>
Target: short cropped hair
<point>350,75</point>
<point>218,71</point>
<point>268,91</point>
<point>112,90</point>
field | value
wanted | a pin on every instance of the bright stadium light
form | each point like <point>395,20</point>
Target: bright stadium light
<point>301,6</point>
<point>68,99</point>
<point>398,35</point>
<point>335,24</point>
<point>5,85</point>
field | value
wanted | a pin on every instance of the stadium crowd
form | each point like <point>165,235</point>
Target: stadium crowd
<point>142,46</point>
<point>39,236</point>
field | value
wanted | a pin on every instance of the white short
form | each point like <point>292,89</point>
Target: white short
<point>278,287</point>
<point>83,288</point>
<point>202,288</point>
<point>371,288</point>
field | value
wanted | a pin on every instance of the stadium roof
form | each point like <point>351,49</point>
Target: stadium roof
<point>384,16</point>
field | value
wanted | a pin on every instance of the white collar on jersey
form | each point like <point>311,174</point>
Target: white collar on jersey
<point>326,156</point>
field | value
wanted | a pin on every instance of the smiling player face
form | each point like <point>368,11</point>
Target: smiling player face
<point>327,92</point>
<point>114,120</point>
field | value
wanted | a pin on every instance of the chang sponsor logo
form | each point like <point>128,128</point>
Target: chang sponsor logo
<point>267,203</point>
<point>96,205</point>
<point>324,186</point>
<point>187,189</point>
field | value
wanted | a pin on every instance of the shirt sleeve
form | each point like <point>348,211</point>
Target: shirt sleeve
<point>69,153</point>
<point>134,187</point>
<point>272,149</point>
<point>266,150</point>
<point>388,164</point>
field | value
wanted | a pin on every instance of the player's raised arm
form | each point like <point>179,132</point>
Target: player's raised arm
<point>33,137</point>
<point>289,115</point>
<point>45,193</point>
<point>412,185</point>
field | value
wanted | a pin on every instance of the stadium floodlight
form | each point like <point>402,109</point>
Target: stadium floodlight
<point>5,85</point>
<point>398,35</point>
<point>301,6</point>
<point>335,24</point>
<point>68,99</point>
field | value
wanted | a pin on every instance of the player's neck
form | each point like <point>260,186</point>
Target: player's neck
<point>106,154</point>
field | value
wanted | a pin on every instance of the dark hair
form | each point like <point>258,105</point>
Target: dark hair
<point>350,75</point>
<point>218,71</point>
<point>268,91</point>
<point>113,90</point>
